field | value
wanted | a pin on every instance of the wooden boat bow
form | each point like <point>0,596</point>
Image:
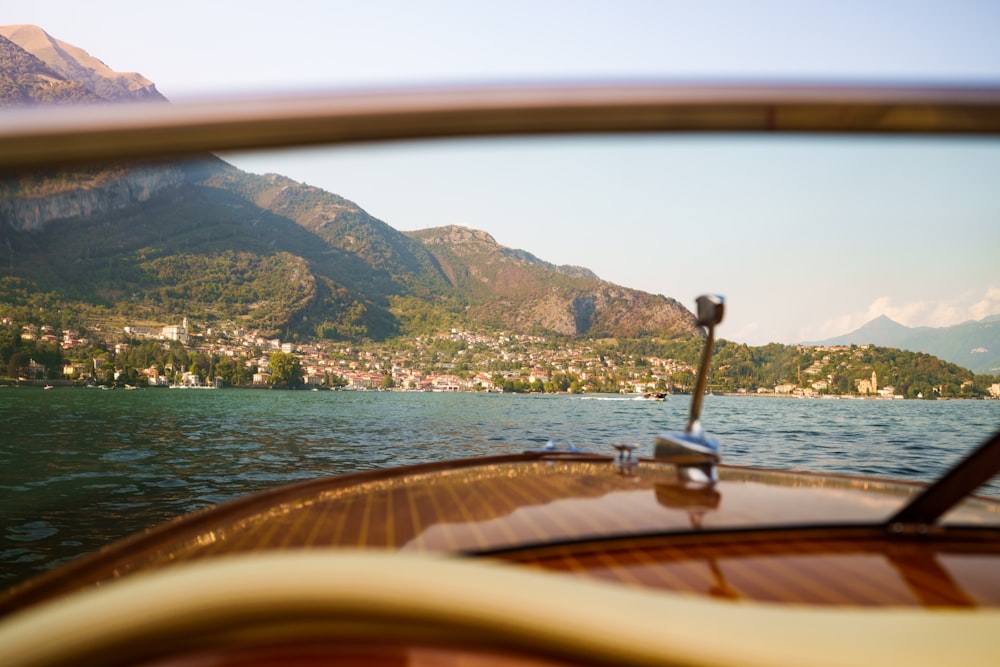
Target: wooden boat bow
<point>544,558</point>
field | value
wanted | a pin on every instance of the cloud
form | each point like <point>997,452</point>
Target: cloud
<point>911,314</point>
<point>989,305</point>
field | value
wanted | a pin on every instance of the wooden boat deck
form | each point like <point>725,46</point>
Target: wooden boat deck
<point>758,535</point>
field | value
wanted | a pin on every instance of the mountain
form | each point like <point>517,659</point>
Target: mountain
<point>879,331</point>
<point>153,242</point>
<point>204,239</point>
<point>972,345</point>
<point>66,65</point>
<point>515,289</point>
<point>26,80</point>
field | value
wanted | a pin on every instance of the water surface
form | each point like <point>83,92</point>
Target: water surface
<point>82,467</point>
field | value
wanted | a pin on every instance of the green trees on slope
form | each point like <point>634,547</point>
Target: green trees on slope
<point>286,370</point>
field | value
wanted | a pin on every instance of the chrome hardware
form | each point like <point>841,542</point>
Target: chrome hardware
<point>626,464</point>
<point>625,451</point>
<point>696,500</point>
<point>710,311</point>
<point>694,452</point>
<point>552,447</point>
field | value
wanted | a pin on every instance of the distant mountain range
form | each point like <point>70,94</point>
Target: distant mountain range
<point>200,238</point>
<point>972,345</point>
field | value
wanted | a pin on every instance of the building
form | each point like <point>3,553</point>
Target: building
<point>867,387</point>
<point>75,370</point>
<point>36,371</point>
<point>189,379</point>
<point>138,332</point>
<point>178,333</point>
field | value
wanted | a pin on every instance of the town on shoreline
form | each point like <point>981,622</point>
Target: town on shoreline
<point>186,356</point>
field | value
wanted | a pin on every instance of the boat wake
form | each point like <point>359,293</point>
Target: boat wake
<point>615,398</point>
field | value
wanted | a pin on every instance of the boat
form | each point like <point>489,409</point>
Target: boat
<point>654,396</point>
<point>650,554</point>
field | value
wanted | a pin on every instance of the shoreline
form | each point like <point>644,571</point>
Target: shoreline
<point>64,384</point>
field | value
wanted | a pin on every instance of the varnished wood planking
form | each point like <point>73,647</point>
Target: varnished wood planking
<point>515,502</point>
<point>826,572</point>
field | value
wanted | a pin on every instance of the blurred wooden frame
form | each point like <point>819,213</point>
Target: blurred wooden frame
<point>45,137</point>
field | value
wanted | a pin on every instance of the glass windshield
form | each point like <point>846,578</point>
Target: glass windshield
<point>501,294</point>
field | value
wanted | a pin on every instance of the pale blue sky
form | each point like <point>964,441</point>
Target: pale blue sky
<point>809,237</point>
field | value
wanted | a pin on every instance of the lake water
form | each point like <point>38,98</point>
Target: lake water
<point>82,467</point>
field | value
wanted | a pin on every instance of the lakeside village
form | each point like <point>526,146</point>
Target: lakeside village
<point>180,356</point>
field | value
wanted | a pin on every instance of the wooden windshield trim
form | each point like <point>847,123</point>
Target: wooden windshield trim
<point>57,136</point>
<point>957,484</point>
<point>853,536</point>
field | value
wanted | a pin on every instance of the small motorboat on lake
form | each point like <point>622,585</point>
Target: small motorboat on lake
<point>548,557</point>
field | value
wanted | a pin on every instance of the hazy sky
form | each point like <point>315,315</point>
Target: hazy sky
<point>807,237</point>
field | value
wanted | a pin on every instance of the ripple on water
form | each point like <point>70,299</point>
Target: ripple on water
<point>31,532</point>
<point>24,556</point>
<point>168,483</point>
<point>122,506</point>
<point>126,455</point>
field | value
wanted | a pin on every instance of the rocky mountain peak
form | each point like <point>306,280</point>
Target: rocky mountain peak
<point>75,64</point>
<point>456,235</point>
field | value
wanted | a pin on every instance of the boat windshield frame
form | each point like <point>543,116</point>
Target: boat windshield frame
<point>38,138</point>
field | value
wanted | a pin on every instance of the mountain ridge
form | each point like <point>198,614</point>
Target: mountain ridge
<point>257,257</point>
<point>107,240</point>
<point>26,80</point>
<point>201,237</point>
<point>74,64</point>
<point>527,290</point>
<point>974,344</point>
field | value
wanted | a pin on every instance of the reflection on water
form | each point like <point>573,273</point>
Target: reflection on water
<point>79,468</point>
